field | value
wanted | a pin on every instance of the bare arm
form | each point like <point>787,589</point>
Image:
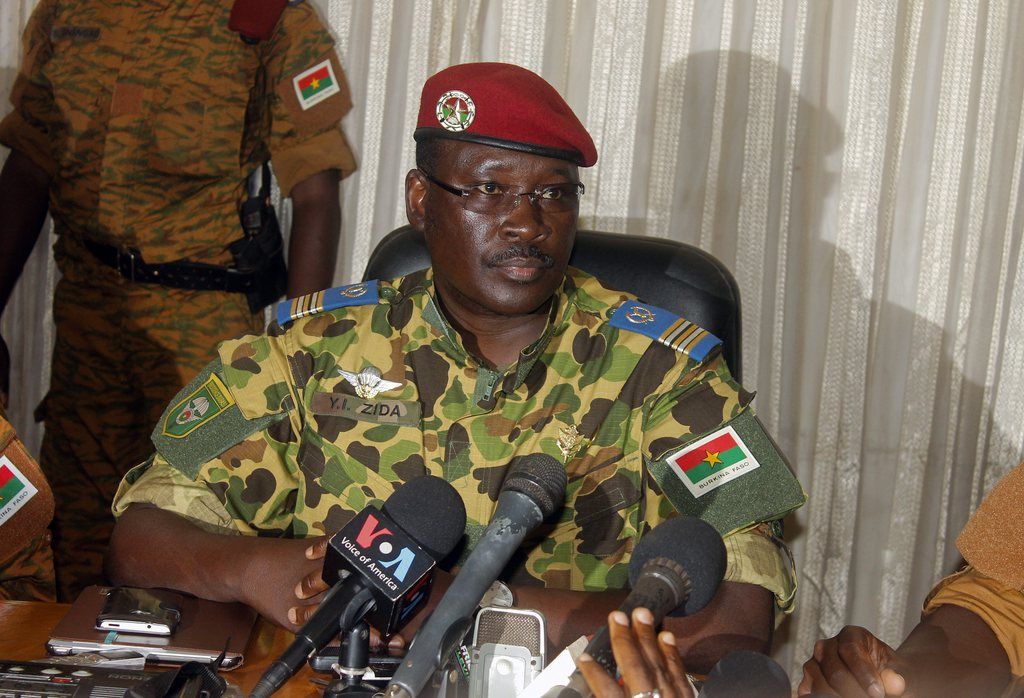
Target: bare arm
<point>953,652</point>
<point>316,227</point>
<point>151,547</point>
<point>950,652</point>
<point>24,200</point>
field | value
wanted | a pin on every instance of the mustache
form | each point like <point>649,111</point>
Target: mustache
<point>521,252</point>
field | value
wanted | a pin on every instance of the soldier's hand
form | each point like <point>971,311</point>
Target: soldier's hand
<point>284,583</point>
<point>312,586</point>
<point>853,663</point>
<point>310,589</point>
<point>5,375</point>
<point>649,664</point>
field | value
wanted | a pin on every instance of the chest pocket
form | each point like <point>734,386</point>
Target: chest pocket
<point>75,73</point>
<point>198,117</point>
<point>355,450</point>
<point>196,134</point>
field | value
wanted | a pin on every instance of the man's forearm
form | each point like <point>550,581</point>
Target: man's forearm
<point>151,547</point>
<point>953,652</point>
<point>569,614</point>
<point>24,200</point>
<point>316,227</point>
<point>739,617</point>
<point>155,548</point>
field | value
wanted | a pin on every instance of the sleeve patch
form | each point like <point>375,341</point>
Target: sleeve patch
<point>316,84</point>
<point>197,408</point>
<point>731,477</point>
<point>202,422</point>
<point>673,331</point>
<point>366,293</point>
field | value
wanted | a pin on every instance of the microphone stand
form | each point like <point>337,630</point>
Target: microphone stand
<point>353,662</point>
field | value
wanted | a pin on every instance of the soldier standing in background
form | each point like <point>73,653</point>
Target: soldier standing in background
<point>136,124</point>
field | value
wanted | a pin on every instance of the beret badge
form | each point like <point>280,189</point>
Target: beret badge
<point>455,111</point>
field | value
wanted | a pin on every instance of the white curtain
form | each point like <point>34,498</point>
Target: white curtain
<point>856,163</point>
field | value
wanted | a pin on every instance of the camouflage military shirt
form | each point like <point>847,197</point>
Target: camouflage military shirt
<point>148,116</point>
<point>286,445</point>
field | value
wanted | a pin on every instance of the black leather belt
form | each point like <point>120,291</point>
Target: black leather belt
<point>195,276</point>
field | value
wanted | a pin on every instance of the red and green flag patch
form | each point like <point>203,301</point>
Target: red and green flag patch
<point>316,84</point>
<point>15,488</point>
<point>712,461</point>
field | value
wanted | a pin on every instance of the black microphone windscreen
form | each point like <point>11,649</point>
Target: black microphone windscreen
<point>694,545</point>
<point>430,510</point>
<point>745,674</point>
<point>541,478</point>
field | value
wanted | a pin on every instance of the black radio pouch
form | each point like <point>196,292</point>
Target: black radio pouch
<point>261,250</point>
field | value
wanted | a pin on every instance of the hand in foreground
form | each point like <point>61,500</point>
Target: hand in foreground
<point>649,664</point>
<point>284,584</point>
<point>853,663</point>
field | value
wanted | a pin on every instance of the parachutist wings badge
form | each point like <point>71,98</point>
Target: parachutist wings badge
<point>368,382</point>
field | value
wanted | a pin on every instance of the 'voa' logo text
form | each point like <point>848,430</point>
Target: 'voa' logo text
<point>368,540</point>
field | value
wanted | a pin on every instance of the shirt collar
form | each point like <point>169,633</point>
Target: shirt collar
<point>451,342</point>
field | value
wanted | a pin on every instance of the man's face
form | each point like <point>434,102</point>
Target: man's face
<point>504,264</point>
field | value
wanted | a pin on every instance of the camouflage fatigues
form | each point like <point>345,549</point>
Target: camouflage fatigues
<point>148,116</point>
<point>28,576</point>
<point>303,452</point>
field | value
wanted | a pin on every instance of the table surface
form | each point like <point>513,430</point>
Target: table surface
<point>25,626</point>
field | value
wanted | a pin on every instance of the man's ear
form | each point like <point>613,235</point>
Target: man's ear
<point>415,193</point>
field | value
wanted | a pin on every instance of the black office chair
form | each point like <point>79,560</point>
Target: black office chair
<point>671,275</point>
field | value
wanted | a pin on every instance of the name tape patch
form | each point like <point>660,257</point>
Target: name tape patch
<point>381,411</point>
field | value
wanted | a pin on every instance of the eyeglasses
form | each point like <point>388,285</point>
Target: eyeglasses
<point>500,199</point>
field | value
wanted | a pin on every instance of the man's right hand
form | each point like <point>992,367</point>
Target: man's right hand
<point>853,663</point>
<point>284,581</point>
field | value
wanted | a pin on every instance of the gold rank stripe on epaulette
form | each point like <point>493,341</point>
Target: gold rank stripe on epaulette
<point>365,293</point>
<point>668,328</point>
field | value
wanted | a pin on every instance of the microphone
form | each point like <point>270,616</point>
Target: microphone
<point>378,569</point>
<point>675,570</point>
<point>746,674</point>
<point>533,490</point>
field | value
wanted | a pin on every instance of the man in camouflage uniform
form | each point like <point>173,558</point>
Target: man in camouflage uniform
<point>496,352</point>
<point>136,125</point>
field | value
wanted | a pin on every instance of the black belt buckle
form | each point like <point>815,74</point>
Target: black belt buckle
<point>126,260</point>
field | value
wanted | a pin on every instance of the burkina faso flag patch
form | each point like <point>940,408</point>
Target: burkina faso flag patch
<point>712,461</point>
<point>15,488</point>
<point>316,84</point>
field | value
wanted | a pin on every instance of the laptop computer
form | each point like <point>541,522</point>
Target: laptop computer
<point>205,630</point>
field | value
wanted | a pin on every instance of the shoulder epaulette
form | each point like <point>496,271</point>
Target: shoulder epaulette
<point>668,328</point>
<point>365,293</point>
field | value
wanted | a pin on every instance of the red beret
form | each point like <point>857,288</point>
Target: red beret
<point>505,106</point>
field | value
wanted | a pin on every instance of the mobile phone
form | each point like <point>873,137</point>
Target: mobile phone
<point>141,611</point>
<point>382,667</point>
